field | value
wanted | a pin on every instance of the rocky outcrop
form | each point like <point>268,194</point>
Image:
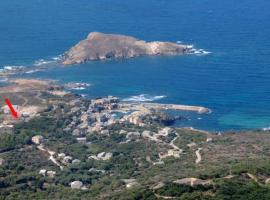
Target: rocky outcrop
<point>100,46</point>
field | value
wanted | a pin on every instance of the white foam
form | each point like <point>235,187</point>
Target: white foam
<point>143,98</point>
<point>43,62</point>
<point>190,46</point>
<point>83,95</point>
<point>77,86</point>
<point>32,71</point>
<point>192,50</point>
<point>12,67</point>
<point>56,58</point>
<point>266,128</point>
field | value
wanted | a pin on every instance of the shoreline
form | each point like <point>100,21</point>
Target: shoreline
<point>22,85</point>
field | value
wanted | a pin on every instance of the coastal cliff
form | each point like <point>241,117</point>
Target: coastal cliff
<point>100,46</point>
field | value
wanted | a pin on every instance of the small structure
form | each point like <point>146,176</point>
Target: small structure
<point>38,139</point>
<point>171,153</point>
<point>48,173</point>
<point>2,161</point>
<point>209,139</point>
<point>101,156</point>
<point>42,172</point>
<point>51,174</point>
<point>105,132</point>
<point>6,109</point>
<point>193,181</point>
<point>130,182</point>
<point>166,131</point>
<point>76,185</point>
<point>175,153</point>
<point>192,144</point>
<point>81,140</point>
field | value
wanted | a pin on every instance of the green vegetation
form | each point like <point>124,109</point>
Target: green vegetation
<point>19,178</point>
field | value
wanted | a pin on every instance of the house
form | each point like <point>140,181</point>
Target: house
<point>101,156</point>
<point>76,185</point>
<point>51,174</point>
<point>6,109</point>
<point>81,140</point>
<point>166,131</point>
<point>192,144</point>
<point>130,182</point>
<point>38,139</point>
<point>42,172</point>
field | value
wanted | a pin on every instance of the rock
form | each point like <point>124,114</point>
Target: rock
<point>76,161</point>
<point>76,132</point>
<point>61,155</point>
<point>67,159</point>
<point>97,170</point>
<point>133,135</point>
<point>146,134</point>
<point>100,46</point>
<point>122,132</point>
<point>267,181</point>
<point>158,186</point>
<point>76,185</point>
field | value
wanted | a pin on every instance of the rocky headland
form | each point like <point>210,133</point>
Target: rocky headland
<point>100,46</point>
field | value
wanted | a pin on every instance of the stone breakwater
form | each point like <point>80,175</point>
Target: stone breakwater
<point>199,109</point>
<point>100,46</point>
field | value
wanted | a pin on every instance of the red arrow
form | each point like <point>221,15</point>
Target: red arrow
<point>12,110</point>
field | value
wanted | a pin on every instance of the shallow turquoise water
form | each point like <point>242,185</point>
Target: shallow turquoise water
<point>234,80</point>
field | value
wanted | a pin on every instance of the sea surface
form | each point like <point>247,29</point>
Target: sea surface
<point>233,80</point>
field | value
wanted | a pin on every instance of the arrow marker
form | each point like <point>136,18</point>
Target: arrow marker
<point>12,110</point>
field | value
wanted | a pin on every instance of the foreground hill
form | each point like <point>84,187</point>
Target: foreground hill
<point>100,46</point>
<point>67,147</point>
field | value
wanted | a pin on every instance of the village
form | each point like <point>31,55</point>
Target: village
<point>95,119</point>
<point>90,117</point>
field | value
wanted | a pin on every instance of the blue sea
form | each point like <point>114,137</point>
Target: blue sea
<point>233,80</point>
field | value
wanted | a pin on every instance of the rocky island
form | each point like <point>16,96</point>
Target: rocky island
<point>100,46</point>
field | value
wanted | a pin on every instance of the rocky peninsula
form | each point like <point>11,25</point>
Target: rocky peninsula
<point>100,46</point>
